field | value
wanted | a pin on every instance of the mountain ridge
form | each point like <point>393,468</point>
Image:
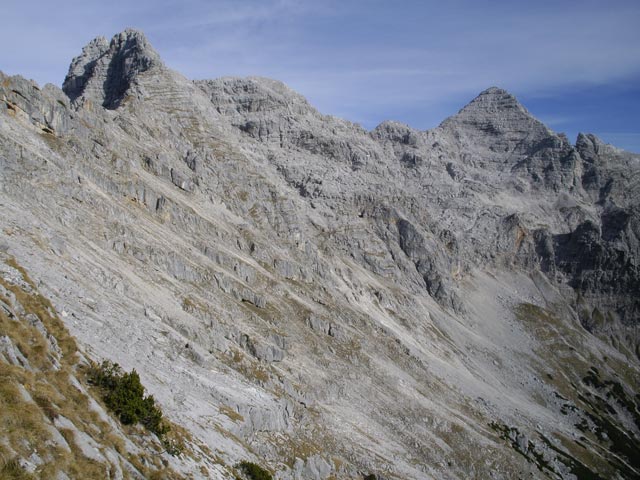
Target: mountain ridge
<point>134,48</point>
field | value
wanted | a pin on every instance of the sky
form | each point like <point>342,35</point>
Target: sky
<point>574,64</point>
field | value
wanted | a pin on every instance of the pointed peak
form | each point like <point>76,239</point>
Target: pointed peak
<point>588,139</point>
<point>130,32</point>
<point>496,109</point>
<point>99,42</point>
<point>104,71</point>
<point>494,99</point>
<point>497,121</point>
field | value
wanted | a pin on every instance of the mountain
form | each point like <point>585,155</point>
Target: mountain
<point>322,300</point>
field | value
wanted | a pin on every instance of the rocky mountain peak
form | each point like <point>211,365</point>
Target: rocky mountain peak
<point>497,122</point>
<point>104,72</point>
<point>494,111</point>
<point>494,100</point>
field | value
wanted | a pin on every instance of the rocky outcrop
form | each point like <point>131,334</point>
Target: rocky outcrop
<point>105,71</point>
<point>429,262</point>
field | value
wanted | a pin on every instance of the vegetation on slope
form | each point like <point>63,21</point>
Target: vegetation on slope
<point>594,399</point>
<point>124,395</point>
<point>49,424</point>
<point>254,471</point>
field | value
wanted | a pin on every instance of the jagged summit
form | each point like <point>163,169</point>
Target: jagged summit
<point>103,72</point>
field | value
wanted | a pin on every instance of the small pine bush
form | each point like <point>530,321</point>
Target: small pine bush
<point>253,471</point>
<point>124,395</point>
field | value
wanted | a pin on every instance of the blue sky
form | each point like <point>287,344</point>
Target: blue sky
<point>573,64</point>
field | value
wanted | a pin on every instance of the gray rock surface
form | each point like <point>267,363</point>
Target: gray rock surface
<point>328,300</point>
<point>104,72</point>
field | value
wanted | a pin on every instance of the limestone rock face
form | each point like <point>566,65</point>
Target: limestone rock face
<point>330,301</point>
<point>103,73</point>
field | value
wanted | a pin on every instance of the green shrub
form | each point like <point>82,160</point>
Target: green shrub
<point>253,471</point>
<point>124,395</point>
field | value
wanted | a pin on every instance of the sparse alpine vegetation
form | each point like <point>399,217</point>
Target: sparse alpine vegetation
<point>49,424</point>
<point>254,471</point>
<point>123,393</point>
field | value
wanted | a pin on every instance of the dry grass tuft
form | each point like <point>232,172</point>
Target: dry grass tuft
<point>231,413</point>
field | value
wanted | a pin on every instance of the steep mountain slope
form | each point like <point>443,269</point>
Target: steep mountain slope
<point>327,301</point>
<point>54,425</point>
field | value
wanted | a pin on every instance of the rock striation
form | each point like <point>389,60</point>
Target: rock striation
<point>328,301</point>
